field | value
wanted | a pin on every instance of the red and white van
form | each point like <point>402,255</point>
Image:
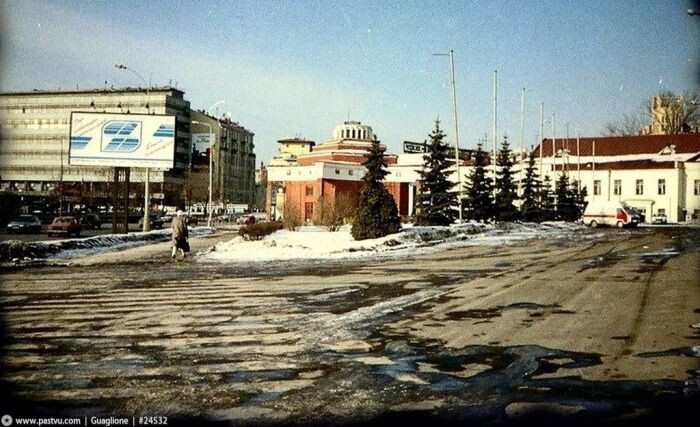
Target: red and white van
<point>610,213</point>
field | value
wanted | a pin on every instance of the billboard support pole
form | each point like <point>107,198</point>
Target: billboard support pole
<point>146,201</point>
<point>115,200</point>
<point>127,172</point>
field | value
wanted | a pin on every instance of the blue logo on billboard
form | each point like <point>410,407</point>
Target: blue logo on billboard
<point>165,130</point>
<point>120,136</point>
<point>79,142</point>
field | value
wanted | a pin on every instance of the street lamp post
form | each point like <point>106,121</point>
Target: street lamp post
<point>456,129</point>
<point>146,184</point>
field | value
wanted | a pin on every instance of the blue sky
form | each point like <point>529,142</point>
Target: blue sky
<point>288,68</point>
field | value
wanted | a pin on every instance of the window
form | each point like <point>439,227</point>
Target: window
<point>661,211</point>
<point>308,211</point>
<point>617,187</point>
<point>696,190</point>
<point>639,187</point>
<point>596,187</point>
<point>662,187</point>
<point>309,190</point>
<point>351,172</point>
<point>337,171</point>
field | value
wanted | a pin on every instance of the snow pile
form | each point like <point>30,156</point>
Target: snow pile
<point>316,243</point>
<point>71,248</point>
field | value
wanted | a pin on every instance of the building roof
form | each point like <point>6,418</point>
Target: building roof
<point>295,140</point>
<point>35,92</point>
<point>687,143</point>
<point>621,165</point>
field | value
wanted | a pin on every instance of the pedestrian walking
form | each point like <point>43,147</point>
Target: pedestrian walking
<point>180,235</point>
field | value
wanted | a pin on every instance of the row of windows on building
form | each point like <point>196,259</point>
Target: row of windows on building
<point>639,187</point>
<point>354,134</point>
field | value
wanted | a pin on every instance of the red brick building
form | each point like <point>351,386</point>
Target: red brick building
<point>335,167</point>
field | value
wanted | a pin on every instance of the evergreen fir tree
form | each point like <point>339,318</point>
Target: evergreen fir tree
<point>377,214</point>
<point>530,208</point>
<point>566,204</point>
<point>435,202</point>
<point>546,200</point>
<point>478,202</point>
<point>506,191</point>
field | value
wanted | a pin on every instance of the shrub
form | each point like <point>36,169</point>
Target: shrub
<point>333,213</point>
<point>291,216</point>
<point>259,230</point>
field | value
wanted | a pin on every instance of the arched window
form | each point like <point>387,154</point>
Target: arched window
<point>353,134</point>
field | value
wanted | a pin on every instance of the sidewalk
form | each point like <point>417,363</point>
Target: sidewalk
<point>156,252</point>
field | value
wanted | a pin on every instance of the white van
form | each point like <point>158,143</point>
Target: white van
<point>610,213</point>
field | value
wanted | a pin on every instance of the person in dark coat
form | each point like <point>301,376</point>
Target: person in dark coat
<point>180,234</point>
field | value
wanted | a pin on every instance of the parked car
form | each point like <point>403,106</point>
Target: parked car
<point>156,221</point>
<point>610,213</point>
<point>91,220</point>
<point>166,220</point>
<point>659,219</point>
<point>246,218</point>
<point>65,225</point>
<point>25,224</point>
<point>223,218</point>
<point>260,216</point>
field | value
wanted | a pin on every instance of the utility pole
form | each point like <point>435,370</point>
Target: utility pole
<point>541,134</point>
<point>456,130</point>
<point>578,158</point>
<point>522,135</point>
<point>147,181</point>
<point>554,144</point>
<point>495,124</point>
<point>566,147</point>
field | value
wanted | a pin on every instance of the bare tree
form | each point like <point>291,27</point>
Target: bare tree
<point>664,113</point>
<point>630,124</point>
<point>196,188</point>
<point>291,216</point>
<point>332,213</point>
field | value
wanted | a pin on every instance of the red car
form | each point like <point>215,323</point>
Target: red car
<point>68,225</point>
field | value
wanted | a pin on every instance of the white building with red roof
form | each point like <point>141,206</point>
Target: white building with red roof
<point>659,174</point>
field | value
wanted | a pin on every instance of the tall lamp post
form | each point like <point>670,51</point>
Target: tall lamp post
<point>456,129</point>
<point>146,184</point>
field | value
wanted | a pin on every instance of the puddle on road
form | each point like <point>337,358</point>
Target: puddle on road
<point>536,310</point>
<point>602,261</point>
<point>483,380</point>
<point>680,351</point>
<point>651,261</point>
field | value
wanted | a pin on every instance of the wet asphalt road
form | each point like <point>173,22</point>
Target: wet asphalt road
<point>592,327</point>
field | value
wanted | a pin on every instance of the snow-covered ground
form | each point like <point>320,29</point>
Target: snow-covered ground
<point>316,243</point>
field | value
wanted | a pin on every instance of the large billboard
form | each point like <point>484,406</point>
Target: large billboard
<point>122,140</point>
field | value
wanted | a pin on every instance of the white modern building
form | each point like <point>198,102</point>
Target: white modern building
<point>34,141</point>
